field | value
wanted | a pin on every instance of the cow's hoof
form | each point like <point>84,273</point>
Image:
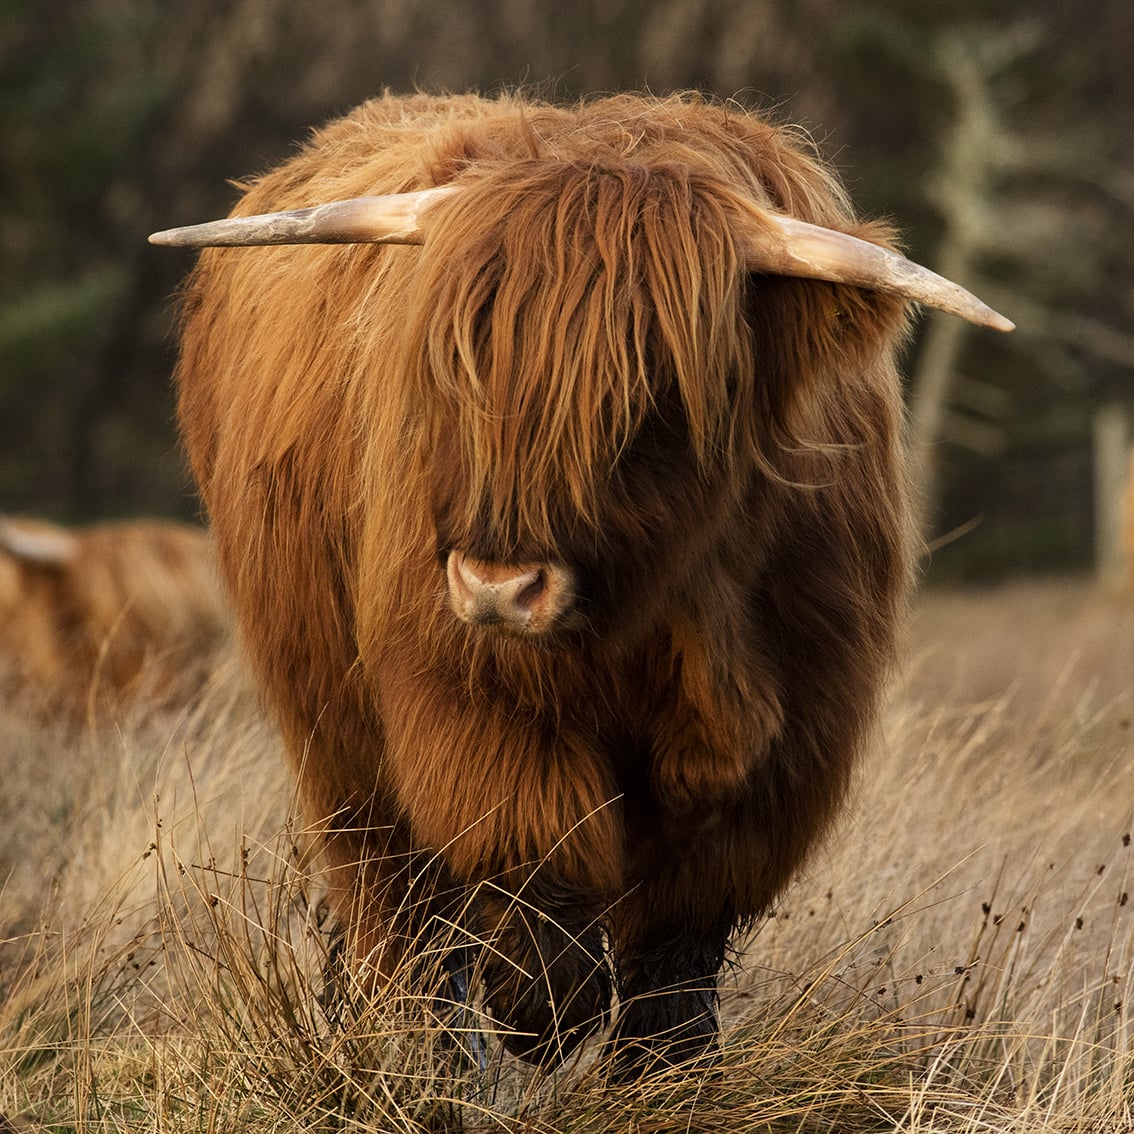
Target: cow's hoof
<point>660,1031</point>
<point>551,1001</point>
<point>453,1005</point>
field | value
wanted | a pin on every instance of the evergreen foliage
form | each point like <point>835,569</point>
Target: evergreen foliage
<point>124,116</point>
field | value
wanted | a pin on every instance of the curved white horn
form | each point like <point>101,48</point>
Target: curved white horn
<point>394,219</point>
<point>40,545</point>
<point>775,244</point>
<point>784,246</point>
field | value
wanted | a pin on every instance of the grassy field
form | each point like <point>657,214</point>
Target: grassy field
<point>957,958</point>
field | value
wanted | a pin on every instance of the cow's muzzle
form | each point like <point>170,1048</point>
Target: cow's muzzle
<point>524,598</point>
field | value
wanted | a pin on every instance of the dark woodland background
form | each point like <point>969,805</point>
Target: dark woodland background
<point>998,135</point>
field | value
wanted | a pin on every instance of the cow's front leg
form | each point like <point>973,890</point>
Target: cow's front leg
<point>525,812</point>
<point>667,1004</point>
<point>544,970</point>
<point>453,1005</point>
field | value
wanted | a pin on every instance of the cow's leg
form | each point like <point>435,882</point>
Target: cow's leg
<point>452,1005</point>
<point>439,937</point>
<point>544,970</point>
<point>397,907</point>
<point>667,988</point>
<point>527,816</point>
<point>669,936</point>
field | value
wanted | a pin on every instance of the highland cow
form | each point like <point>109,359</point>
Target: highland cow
<point>558,484</point>
<point>96,616</point>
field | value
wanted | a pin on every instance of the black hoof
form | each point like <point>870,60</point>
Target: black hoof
<point>453,1006</point>
<point>334,995</point>
<point>552,997</point>
<point>662,1030</point>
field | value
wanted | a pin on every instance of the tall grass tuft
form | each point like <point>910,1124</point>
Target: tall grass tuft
<point>958,958</point>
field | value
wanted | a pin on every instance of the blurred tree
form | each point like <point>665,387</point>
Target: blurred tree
<point>123,116</point>
<point>1005,166</point>
<point>966,189</point>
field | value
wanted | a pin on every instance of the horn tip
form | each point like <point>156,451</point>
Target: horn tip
<point>979,315</point>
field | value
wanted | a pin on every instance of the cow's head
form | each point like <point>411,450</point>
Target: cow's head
<point>586,362</point>
<point>581,356</point>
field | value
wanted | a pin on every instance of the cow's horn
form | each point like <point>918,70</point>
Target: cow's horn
<point>41,547</point>
<point>775,244</point>
<point>395,219</point>
<point>784,246</point>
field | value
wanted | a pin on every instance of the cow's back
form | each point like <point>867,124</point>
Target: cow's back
<point>93,615</point>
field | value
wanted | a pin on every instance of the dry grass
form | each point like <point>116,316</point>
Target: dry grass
<point>957,959</point>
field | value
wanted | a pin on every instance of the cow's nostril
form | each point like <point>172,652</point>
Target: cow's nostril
<point>530,598</point>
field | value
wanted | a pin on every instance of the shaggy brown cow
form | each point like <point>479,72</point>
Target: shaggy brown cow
<point>569,546</point>
<point>91,616</point>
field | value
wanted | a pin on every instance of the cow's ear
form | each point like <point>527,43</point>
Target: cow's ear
<point>35,546</point>
<point>861,323</point>
<point>811,338</point>
<point>811,326</point>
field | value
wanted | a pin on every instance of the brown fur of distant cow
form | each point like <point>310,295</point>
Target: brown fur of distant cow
<point>574,369</point>
<point>94,616</point>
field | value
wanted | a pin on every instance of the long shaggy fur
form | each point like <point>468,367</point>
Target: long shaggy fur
<point>574,367</point>
<point>107,612</point>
